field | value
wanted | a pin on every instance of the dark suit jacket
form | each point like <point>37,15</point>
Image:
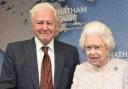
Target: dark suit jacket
<point>20,70</point>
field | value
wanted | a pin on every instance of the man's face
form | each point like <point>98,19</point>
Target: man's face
<point>96,51</point>
<point>44,25</point>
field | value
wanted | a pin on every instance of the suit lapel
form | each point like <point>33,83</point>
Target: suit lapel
<point>59,63</point>
<point>31,57</point>
<point>30,53</point>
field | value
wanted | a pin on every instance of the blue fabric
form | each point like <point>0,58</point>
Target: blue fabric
<point>1,59</point>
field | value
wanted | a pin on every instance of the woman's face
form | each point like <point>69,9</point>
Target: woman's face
<point>96,51</point>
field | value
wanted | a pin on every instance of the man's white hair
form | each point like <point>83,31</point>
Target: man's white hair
<point>45,5</point>
<point>97,28</point>
<point>42,5</point>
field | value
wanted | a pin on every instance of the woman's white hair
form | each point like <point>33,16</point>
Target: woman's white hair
<point>45,5</point>
<point>97,28</point>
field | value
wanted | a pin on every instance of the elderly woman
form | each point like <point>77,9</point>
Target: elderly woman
<point>100,71</point>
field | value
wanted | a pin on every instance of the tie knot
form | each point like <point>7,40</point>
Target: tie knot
<point>45,50</point>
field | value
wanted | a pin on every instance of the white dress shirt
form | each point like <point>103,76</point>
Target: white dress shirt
<point>40,55</point>
<point>114,75</point>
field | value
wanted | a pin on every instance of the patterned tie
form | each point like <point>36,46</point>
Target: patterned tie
<point>46,71</point>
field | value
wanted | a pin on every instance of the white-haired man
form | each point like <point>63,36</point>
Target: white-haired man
<point>29,66</point>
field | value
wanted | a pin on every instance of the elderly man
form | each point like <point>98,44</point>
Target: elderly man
<point>41,62</point>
